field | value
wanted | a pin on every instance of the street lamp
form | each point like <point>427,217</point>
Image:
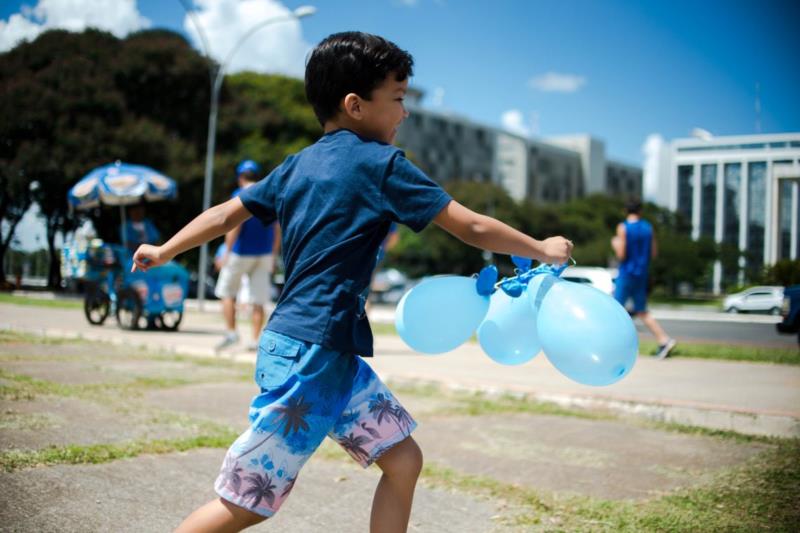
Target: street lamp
<point>217,75</point>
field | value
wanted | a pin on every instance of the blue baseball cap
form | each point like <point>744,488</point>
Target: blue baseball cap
<point>248,165</point>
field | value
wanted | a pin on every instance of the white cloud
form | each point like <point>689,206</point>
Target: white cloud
<point>557,82</point>
<point>119,17</point>
<point>514,122</point>
<point>438,97</point>
<point>277,47</point>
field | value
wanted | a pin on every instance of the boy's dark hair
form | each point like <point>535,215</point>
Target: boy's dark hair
<point>633,206</point>
<point>351,62</point>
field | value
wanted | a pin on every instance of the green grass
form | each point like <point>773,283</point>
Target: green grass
<point>785,356</point>
<point>763,494</point>
<point>40,302</point>
<point>11,460</point>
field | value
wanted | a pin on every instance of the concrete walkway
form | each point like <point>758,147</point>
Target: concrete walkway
<point>83,397</point>
<point>745,397</point>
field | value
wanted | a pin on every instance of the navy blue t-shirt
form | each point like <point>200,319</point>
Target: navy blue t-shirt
<point>335,202</point>
<point>638,245</point>
<point>254,237</point>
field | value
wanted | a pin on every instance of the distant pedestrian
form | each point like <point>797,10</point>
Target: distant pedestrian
<point>250,250</point>
<point>138,229</point>
<point>635,245</point>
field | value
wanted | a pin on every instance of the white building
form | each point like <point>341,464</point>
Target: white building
<point>738,190</point>
<point>450,147</point>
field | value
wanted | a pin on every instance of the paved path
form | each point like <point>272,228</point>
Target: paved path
<point>82,395</point>
<point>746,397</point>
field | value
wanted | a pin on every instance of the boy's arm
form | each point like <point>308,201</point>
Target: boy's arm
<point>206,226</point>
<point>618,242</point>
<point>491,234</point>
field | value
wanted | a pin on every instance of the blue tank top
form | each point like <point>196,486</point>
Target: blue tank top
<point>638,245</point>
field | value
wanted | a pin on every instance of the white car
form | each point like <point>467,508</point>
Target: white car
<point>755,300</point>
<point>598,277</point>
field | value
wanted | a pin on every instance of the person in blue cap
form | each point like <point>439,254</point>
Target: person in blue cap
<point>249,251</point>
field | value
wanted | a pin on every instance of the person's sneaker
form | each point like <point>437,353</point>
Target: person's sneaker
<point>229,339</point>
<point>664,349</point>
<point>252,346</point>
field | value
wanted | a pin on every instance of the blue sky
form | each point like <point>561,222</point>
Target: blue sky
<point>634,67</point>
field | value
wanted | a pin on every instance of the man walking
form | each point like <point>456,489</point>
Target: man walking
<point>250,250</point>
<point>634,245</point>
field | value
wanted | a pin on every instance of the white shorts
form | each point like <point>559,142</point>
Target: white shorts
<point>257,268</point>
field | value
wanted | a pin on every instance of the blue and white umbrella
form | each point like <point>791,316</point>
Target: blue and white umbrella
<point>121,184</point>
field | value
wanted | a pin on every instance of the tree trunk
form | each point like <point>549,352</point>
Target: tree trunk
<point>54,269</point>
<point>5,243</point>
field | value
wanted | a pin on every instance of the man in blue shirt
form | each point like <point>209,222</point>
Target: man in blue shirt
<point>634,245</point>
<point>335,201</point>
<point>250,250</point>
<point>138,229</point>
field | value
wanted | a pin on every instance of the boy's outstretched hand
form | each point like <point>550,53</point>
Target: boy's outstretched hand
<point>557,250</point>
<point>147,256</point>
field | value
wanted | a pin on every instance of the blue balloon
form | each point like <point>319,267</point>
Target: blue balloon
<point>440,314</point>
<point>508,333</point>
<point>586,334</point>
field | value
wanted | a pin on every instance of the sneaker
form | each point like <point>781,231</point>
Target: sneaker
<point>664,349</point>
<point>252,346</point>
<point>230,338</point>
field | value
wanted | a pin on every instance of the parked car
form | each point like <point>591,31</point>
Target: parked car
<point>598,277</point>
<point>790,311</point>
<point>389,286</point>
<point>755,300</point>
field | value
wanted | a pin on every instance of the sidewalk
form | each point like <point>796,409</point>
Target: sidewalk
<point>749,398</point>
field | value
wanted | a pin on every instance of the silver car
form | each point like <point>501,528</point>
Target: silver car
<point>755,300</point>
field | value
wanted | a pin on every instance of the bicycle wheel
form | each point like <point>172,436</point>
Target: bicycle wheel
<point>129,309</point>
<point>96,306</point>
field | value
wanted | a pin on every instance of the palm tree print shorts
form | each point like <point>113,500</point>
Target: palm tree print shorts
<point>307,392</point>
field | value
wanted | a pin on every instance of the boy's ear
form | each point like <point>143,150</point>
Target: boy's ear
<point>352,106</point>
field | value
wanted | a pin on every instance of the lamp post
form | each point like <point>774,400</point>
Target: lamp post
<point>217,75</point>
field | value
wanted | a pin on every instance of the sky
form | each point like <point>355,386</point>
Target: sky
<point>620,70</point>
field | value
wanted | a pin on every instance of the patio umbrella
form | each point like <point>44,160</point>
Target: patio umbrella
<point>121,184</point>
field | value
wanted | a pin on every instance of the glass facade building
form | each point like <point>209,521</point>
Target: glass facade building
<point>743,192</point>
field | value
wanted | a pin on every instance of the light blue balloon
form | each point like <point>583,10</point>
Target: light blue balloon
<point>440,314</point>
<point>508,333</point>
<point>586,334</point>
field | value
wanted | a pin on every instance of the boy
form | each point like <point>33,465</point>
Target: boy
<point>335,202</point>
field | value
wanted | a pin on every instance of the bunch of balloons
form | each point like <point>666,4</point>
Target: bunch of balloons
<point>586,334</point>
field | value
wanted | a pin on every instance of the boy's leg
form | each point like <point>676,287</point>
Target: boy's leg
<point>394,495</point>
<point>219,516</point>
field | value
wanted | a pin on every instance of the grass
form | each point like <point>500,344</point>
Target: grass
<point>758,354</point>
<point>40,302</point>
<point>11,460</point>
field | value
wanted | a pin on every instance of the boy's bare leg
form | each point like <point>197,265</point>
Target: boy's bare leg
<point>391,505</point>
<point>654,327</point>
<point>258,321</point>
<point>219,516</point>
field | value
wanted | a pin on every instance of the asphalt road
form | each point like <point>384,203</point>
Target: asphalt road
<point>714,331</point>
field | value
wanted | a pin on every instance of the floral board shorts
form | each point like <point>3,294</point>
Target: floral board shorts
<point>307,392</point>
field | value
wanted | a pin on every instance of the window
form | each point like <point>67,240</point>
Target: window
<point>708,200</point>
<point>685,190</point>
<point>731,199</point>
<point>785,218</point>
<point>756,210</point>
